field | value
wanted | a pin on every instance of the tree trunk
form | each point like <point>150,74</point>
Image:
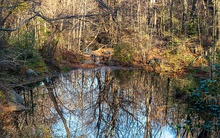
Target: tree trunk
<point>215,35</point>
<point>119,19</point>
<point>184,24</point>
<point>193,11</point>
<point>171,21</point>
<point>218,22</point>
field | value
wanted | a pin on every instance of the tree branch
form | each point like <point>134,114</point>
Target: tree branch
<point>9,13</point>
<point>68,17</point>
<point>19,26</point>
<point>104,6</point>
<point>49,20</point>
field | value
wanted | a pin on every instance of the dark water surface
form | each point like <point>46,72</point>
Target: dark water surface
<point>105,102</point>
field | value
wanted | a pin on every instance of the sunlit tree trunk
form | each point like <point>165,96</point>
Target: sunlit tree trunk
<point>83,39</point>
<point>118,19</point>
<point>161,24</point>
<point>218,22</point>
<point>184,20</point>
<point>139,30</point>
<point>205,32</point>
<point>171,20</point>
<point>215,35</point>
<point>80,31</point>
<point>73,31</point>
<point>148,29</point>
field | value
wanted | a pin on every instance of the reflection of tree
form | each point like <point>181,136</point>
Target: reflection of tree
<point>115,107</point>
<point>103,98</point>
<point>112,106</point>
<point>56,106</point>
<point>124,76</point>
<point>116,103</point>
<point>148,100</point>
<point>100,103</point>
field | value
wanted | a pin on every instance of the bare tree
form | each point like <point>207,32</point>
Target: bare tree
<point>184,22</point>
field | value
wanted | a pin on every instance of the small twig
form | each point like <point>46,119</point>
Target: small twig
<point>18,56</point>
<point>93,39</point>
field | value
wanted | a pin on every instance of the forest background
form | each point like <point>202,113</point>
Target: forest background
<point>176,34</point>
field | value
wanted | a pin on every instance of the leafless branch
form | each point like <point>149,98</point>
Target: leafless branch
<point>9,13</point>
<point>104,6</point>
<point>19,26</point>
<point>49,20</point>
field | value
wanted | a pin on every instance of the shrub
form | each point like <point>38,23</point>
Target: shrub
<point>204,102</point>
<point>23,49</point>
<point>123,52</point>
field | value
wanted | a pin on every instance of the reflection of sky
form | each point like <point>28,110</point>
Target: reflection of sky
<point>82,124</point>
<point>166,132</point>
<point>130,131</point>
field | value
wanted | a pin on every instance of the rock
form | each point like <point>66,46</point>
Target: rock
<point>16,101</point>
<point>12,101</point>
<point>30,72</point>
<point>16,98</point>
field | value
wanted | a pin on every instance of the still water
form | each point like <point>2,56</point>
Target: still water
<point>105,102</point>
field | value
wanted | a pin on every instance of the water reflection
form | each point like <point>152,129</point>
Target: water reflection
<point>106,102</point>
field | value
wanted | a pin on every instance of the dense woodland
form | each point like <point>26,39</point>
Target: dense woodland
<point>65,30</point>
<point>170,37</point>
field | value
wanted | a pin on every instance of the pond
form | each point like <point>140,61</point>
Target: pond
<point>103,102</point>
